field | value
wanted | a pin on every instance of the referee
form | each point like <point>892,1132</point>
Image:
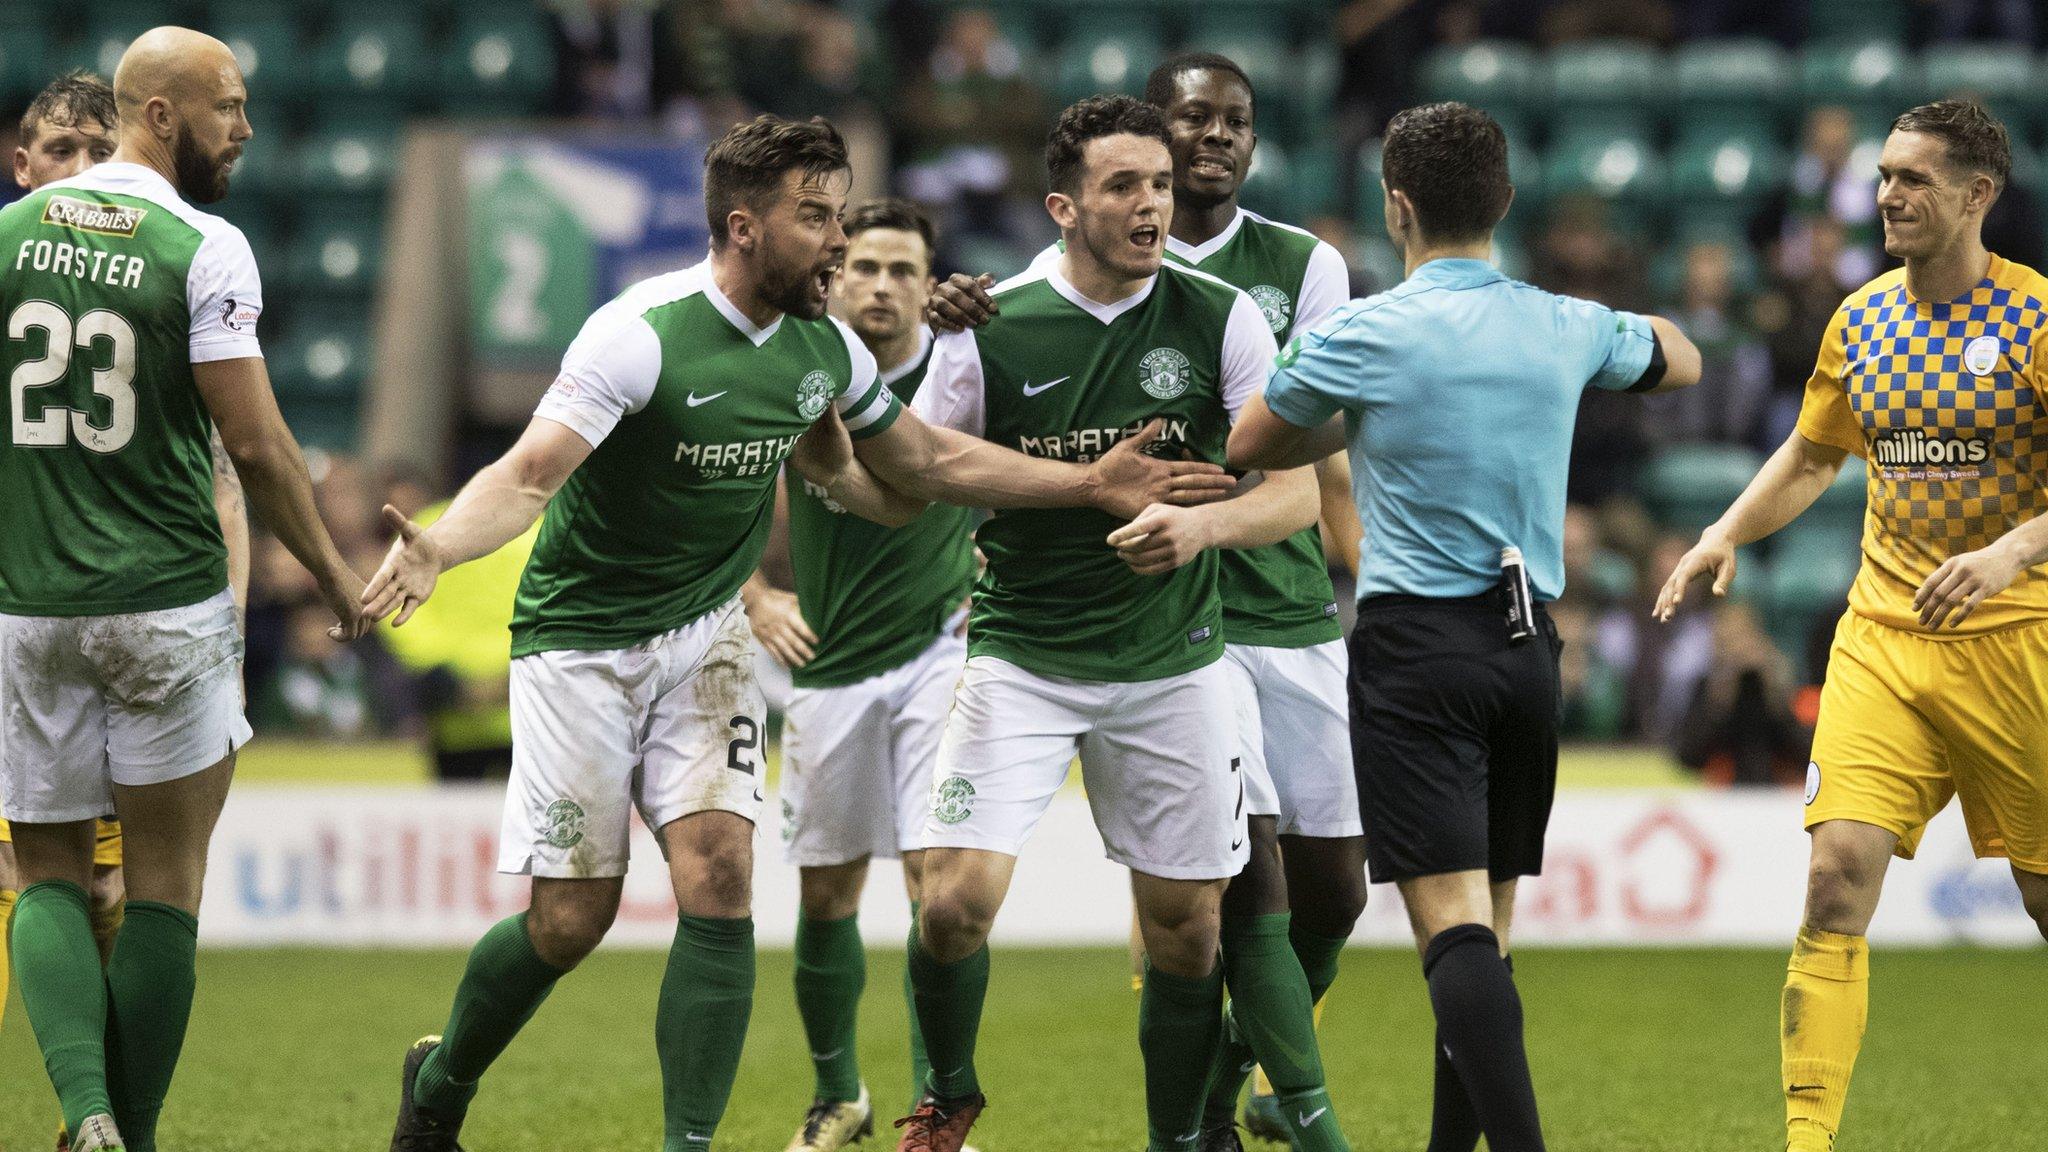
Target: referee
<point>1458,388</point>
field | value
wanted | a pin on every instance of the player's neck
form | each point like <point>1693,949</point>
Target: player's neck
<point>742,289</point>
<point>1197,226</point>
<point>1949,274</point>
<point>1418,252</point>
<point>1095,280</point>
<point>896,351</point>
<point>148,152</point>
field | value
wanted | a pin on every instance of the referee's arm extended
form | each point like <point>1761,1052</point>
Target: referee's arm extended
<point>1263,439</point>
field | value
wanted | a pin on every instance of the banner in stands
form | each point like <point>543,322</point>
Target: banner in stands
<point>416,867</point>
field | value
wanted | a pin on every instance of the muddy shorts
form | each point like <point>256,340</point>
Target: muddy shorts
<point>87,702</point>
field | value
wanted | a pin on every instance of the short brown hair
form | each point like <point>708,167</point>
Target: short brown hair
<point>1451,160</point>
<point>747,163</point>
<point>894,212</point>
<point>1976,141</point>
<point>1092,119</point>
<point>70,100</point>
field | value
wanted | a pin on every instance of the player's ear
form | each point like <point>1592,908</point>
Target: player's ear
<point>21,167</point>
<point>739,229</point>
<point>1061,206</point>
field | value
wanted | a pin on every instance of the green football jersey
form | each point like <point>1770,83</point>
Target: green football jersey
<point>690,410</point>
<point>1060,376</point>
<point>876,596</point>
<point>1278,596</point>
<point>113,287</point>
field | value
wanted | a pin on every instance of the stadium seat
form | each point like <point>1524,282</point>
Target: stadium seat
<point>496,65</point>
<point>271,57</point>
<point>1620,167</point>
<point>1216,20</point>
<point>2000,75</point>
<point>373,64</point>
<point>1723,174</point>
<point>1871,77</point>
<point>345,169</point>
<point>1369,211</point>
<point>1613,84</point>
<point>1726,82</point>
<point>1842,504</point>
<point>2026,166</point>
<point>1497,76</point>
<point>318,357</point>
<point>99,49</point>
<point>1688,486</point>
<point>334,258</point>
<point>1292,184</point>
<point>1111,62</point>
<point>1887,18</point>
<point>25,59</point>
<point>1807,582</point>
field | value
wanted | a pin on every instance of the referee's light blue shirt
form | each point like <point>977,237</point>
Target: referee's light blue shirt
<point>1461,387</point>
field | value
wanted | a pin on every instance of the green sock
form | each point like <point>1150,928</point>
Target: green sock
<point>502,987</point>
<point>1318,955</point>
<point>1179,1022</point>
<point>1232,1066</point>
<point>150,979</point>
<point>700,1024</point>
<point>831,970</point>
<point>949,1000</point>
<point>1311,1124</point>
<point>57,966</point>
<point>920,1064</point>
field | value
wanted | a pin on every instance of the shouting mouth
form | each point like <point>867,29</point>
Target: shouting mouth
<point>1145,236</point>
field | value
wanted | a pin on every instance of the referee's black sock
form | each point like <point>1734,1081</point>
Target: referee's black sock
<point>1453,1126</point>
<point>1479,1031</point>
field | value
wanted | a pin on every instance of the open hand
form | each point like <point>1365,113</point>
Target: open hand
<point>1162,538</point>
<point>408,573</point>
<point>779,625</point>
<point>825,451</point>
<point>344,596</point>
<point>961,302</point>
<point>1127,481</point>
<point>1712,556</point>
<point>1962,582</point>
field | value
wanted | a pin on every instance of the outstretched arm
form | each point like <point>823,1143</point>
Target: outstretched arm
<point>1262,440</point>
<point>1789,482</point>
<point>266,458</point>
<point>1163,537</point>
<point>499,502</point>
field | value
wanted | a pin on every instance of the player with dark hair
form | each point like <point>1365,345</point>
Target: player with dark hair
<point>71,125</point>
<point>1453,678</point>
<point>1937,685</point>
<point>873,638</point>
<point>1283,643</point>
<point>131,333</point>
<point>632,674</point>
<point>1114,650</point>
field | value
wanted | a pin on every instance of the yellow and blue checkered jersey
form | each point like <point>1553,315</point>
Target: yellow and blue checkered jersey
<point>1944,401</point>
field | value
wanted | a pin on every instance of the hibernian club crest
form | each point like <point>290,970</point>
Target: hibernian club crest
<point>1274,303</point>
<point>1164,373</point>
<point>951,800</point>
<point>563,825</point>
<point>813,393</point>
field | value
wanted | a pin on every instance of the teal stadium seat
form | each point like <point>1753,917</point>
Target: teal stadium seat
<point>1612,84</point>
<point>2002,76</point>
<point>497,65</point>
<point>271,55</point>
<point>1808,581</point>
<point>345,169</point>
<point>1840,508</point>
<point>1369,213</point>
<point>1873,78</point>
<point>1886,18</point>
<point>1688,486</point>
<point>1620,167</point>
<point>25,58</point>
<point>1729,82</point>
<point>1719,175</point>
<point>99,49</point>
<point>1090,65</point>
<point>372,66</point>
<point>318,369</point>
<point>1500,77</point>
<point>334,260</point>
<point>1292,184</point>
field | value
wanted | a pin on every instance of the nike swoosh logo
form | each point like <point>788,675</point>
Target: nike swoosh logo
<point>692,1136</point>
<point>1247,1065</point>
<point>1807,1088</point>
<point>1030,391</point>
<point>693,399</point>
<point>821,1056</point>
<point>1311,1117</point>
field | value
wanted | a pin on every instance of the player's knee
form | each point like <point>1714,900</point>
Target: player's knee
<point>1183,938</point>
<point>2034,897</point>
<point>1836,892</point>
<point>107,889</point>
<point>721,883</point>
<point>1332,907</point>
<point>953,924</point>
<point>830,893</point>
<point>564,932</point>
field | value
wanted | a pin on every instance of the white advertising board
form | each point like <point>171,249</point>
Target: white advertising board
<point>379,867</point>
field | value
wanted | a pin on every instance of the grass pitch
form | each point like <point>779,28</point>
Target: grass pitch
<point>1634,1051</point>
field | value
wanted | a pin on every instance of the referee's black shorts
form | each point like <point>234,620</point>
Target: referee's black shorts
<point>1453,736</point>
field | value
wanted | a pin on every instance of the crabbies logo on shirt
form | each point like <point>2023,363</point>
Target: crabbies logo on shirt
<point>1163,373</point>
<point>85,216</point>
<point>813,392</point>
<point>1276,306</point>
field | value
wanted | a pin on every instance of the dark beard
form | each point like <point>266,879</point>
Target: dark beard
<point>792,294</point>
<point>201,179</point>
